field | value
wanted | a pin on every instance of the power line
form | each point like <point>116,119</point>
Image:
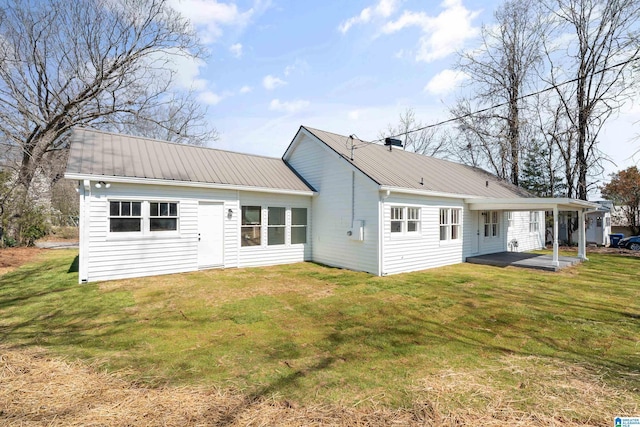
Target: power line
<point>484,110</point>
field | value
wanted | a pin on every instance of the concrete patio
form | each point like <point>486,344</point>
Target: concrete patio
<point>524,260</point>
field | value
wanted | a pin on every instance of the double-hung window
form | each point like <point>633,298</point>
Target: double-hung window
<point>405,219</point>
<point>251,230</point>
<point>397,219</point>
<point>450,227</point>
<point>125,216</point>
<point>163,216</point>
<point>534,222</point>
<point>276,226</point>
<point>298,225</point>
<point>491,225</point>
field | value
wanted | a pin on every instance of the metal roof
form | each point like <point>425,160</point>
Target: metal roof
<point>404,170</point>
<point>101,154</point>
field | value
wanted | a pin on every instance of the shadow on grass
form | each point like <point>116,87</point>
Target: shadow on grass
<point>75,265</point>
<point>42,304</point>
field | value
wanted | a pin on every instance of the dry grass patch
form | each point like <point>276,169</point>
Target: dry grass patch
<point>12,258</point>
<point>37,390</point>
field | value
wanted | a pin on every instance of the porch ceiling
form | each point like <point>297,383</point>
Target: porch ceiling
<point>530,204</point>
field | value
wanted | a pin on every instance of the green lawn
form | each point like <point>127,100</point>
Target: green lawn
<point>466,335</point>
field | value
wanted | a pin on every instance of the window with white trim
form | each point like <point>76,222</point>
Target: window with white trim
<point>163,216</point>
<point>397,218</point>
<point>276,225</point>
<point>298,225</point>
<point>509,219</point>
<point>455,224</point>
<point>251,230</point>
<point>125,216</point>
<point>450,228</point>
<point>413,220</point>
<point>491,225</point>
<point>534,222</point>
<point>405,220</point>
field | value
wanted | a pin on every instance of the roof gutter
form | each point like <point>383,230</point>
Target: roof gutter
<point>530,203</point>
<point>173,183</point>
<point>390,189</point>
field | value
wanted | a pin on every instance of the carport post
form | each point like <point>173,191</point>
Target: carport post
<point>555,262</point>
<point>582,241</point>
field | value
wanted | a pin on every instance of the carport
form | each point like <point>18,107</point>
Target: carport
<point>555,205</point>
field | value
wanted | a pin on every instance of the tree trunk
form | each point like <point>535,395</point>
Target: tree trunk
<point>33,153</point>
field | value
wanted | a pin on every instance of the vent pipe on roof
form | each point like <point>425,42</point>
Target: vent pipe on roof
<point>352,146</point>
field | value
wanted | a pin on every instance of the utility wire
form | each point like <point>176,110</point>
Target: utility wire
<point>484,110</point>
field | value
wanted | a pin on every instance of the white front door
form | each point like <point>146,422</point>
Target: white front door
<point>475,239</point>
<point>210,234</point>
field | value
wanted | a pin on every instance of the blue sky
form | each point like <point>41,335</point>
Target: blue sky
<point>349,67</point>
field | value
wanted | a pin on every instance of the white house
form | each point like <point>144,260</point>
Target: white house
<point>150,207</point>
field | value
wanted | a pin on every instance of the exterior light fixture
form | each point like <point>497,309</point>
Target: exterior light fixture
<point>101,184</point>
<point>229,213</point>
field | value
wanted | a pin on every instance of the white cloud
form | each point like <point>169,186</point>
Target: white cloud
<point>236,50</point>
<point>442,34</point>
<point>445,81</point>
<point>271,82</point>
<point>354,114</point>
<point>210,98</point>
<point>288,106</point>
<point>210,16</point>
<point>245,89</point>
<point>383,9</point>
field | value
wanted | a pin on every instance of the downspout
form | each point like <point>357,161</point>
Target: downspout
<point>556,261</point>
<point>383,197</point>
<point>85,216</point>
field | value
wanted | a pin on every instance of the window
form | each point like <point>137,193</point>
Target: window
<point>413,220</point>
<point>455,224</point>
<point>251,226</point>
<point>276,226</point>
<point>298,225</point>
<point>163,216</point>
<point>444,224</point>
<point>509,219</point>
<point>125,216</point>
<point>405,220</point>
<point>491,227</point>
<point>396,220</point>
<point>450,224</point>
<point>599,221</point>
<point>534,222</point>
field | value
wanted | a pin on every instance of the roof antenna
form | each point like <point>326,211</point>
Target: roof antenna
<point>422,181</point>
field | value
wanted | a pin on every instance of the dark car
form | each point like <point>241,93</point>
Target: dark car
<point>632,243</point>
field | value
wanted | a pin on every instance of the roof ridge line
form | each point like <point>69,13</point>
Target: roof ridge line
<point>87,129</point>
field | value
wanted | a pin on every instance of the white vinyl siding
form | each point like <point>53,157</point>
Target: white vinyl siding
<point>106,255</point>
<point>521,233</point>
<point>423,250</point>
<point>336,183</point>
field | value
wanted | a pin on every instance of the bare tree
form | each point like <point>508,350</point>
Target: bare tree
<point>592,46</point>
<point>92,62</point>
<point>499,72</point>
<point>417,138</point>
